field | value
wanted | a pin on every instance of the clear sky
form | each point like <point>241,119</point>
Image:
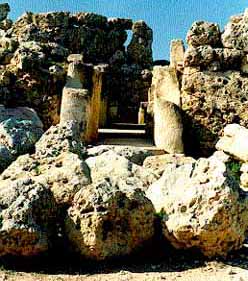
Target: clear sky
<point>169,19</point>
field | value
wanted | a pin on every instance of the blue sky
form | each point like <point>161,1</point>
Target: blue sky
<point>169,19</point>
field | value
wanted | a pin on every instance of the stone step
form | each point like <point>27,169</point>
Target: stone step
<point>121,133</point>
<point>128,126</point>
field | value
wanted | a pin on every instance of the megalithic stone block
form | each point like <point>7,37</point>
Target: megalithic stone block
<point>75,106</point>
<point>168,127</point>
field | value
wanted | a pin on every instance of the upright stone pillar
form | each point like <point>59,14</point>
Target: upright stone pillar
<point>75,103</point>
<point>81,100</point>
<point>95,103</point>
<point>165,98</point>
<point>177,54</point>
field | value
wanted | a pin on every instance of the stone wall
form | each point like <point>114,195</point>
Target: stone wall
<point>34,51</point>
<point>215,82</point>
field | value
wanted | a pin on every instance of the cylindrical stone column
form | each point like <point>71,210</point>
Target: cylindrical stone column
<point>168,128</point>
<point>75,106</point>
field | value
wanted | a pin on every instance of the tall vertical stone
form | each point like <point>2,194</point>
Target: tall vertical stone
<point>95,105</point>
<point>177,53</point>
<point>165,97</point>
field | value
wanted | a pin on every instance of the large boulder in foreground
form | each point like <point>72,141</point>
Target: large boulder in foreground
<point>107,220</point>
<point>235,142</point>
<point>120,170</point>
<point>20,129</point>
<point>27,218</point>
<point>201,206</point>
<point>65,174</point>
<point>57,162</point>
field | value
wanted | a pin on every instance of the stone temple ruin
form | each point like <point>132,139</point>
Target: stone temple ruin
<point>184,105</point>
<point>74,74</point>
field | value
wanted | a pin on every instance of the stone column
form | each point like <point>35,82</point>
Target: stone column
<point>168,128</point>
<point>75,103</point>
<point>165,92</point>
<point>95,103</point>
<point>75,106</point>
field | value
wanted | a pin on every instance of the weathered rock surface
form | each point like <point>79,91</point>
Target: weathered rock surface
<point>27,218</point>
<point>36,42</point>
<point>134,154</point>
<point>210,101</point>
<point>60,138</point>
<point>235,34</point>
<point>121,171</point>
<point>159,163</point>
<point>203,33</point>
<point>107,220</point>
<point>212,213</point>
<point>57,163</point>
<point>234,142</point>
<point>20,129</point>
<point>139,50</point>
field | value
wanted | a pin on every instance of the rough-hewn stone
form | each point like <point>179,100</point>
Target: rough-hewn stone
<point>120,170</point>
<point>27,218</point>
<point>203,33</point>
<point>201,206</point>
<point>107,220</point>
<point>210,101</point>
<point>234,142</point>
<point>235,33</point>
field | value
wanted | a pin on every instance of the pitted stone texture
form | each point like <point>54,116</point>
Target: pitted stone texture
<point>29,56</point>
<point>210,101</point>
<point>235,33</point>
<point>234,142</point>
<point>134,154</point>
<point>4,10</point>
<point>159,163</point>
<point>203,33</point>
<point>107,221</point>
<point>201,206</point>
<point>139,50</point>
<point>60,138</point>
<point>213,59</point>
<point>120,170</point>
<point>20,129</point>
<point>65,174</point>
<point>27,218</point>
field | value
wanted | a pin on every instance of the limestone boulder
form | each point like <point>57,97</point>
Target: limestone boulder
<point>57,163</point>
<point>65,174</point>
<point>210,101</point>
<point>199,56</point>
<point>134,154</point>
<point>235,33</point>
<point>20,129</point>
<point>107,221</point>
<point>159,163</point>
<point>234,142</point>
<point>60,138</point>
<point>203,33</point>
<point>27,218</point>
<point>201,206</point>
<point>120,170</point>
